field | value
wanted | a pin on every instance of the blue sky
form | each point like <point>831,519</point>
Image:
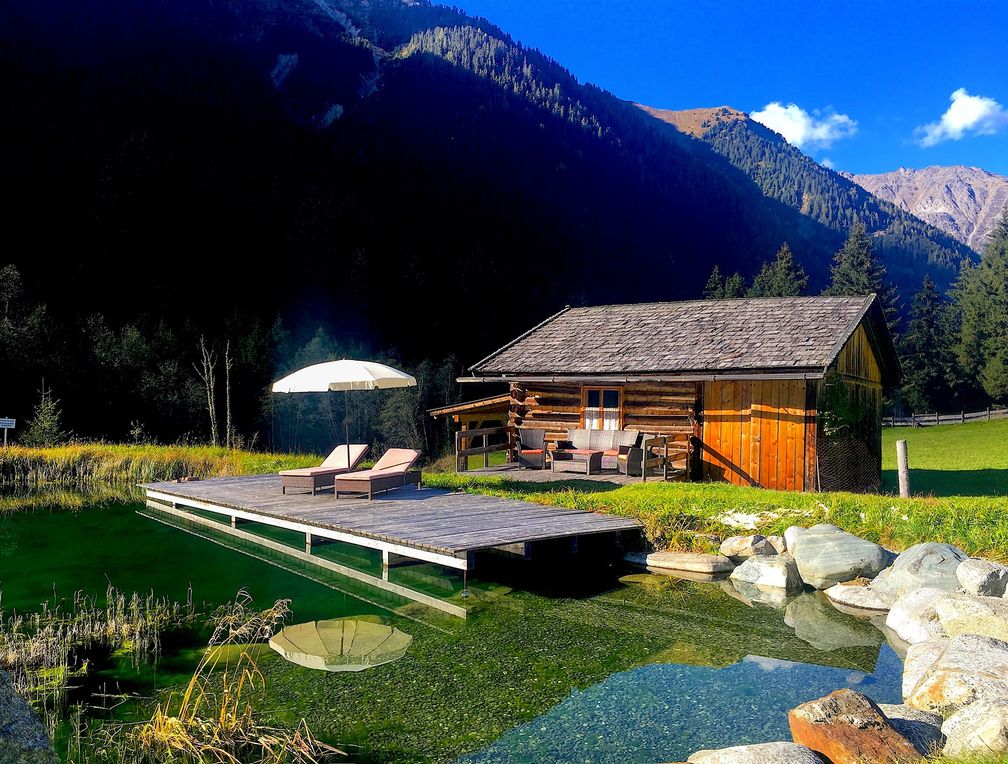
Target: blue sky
<point>874,85</point>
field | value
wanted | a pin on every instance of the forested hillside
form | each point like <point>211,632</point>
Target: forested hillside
<point>908,246</point>
<point>303,179</point>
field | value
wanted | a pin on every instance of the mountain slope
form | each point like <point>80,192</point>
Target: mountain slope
<point>324,159</point>
<point>965,202</point>
<point>907,245</point>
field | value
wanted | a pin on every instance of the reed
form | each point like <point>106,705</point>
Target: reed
<point>123,464</point>
<point>44,651</point>
<point>213,718</point>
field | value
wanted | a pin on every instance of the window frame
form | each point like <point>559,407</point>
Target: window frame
<point>602,389</point>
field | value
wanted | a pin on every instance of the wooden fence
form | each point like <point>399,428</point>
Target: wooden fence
<point>929,420</point>
<point>464,448</point>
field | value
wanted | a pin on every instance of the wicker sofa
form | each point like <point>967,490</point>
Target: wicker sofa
<point>611,443</point>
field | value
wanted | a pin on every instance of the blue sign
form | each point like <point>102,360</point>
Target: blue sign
<point>6,424</point>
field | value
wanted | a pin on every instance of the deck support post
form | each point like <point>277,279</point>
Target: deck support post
<point>307,542</point>
<point>234,521</point>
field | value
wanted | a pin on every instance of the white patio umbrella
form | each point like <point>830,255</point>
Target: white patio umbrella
<point>345,375</point>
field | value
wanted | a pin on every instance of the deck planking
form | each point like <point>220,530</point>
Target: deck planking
<point>427,519</point>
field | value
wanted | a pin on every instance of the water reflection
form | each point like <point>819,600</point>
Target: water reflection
<point>665,712</point>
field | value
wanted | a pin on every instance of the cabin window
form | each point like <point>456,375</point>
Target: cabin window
<point>601,408</point>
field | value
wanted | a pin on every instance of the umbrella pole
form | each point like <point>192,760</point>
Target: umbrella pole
<point>346,421</point>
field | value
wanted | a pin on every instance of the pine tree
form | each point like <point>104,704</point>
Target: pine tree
<point>925,352</point>
<point>856,271</point>
<point>981,294</point>
<point>781,277</point>
<point>719,287</point>
<point>715,285</point>
<point>734,286</point>
<point>45,428</point>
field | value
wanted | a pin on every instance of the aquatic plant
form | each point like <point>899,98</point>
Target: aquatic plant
<point>44,651</point>
<point>213,718</point>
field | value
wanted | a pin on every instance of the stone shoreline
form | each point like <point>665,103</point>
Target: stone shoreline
<point>944,613</point>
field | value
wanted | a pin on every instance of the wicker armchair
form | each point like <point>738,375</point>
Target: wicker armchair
<point>531,451</point>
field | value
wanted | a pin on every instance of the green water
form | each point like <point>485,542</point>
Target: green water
<point>550,666</point>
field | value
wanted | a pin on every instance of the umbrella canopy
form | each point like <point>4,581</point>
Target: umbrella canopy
<point>340,644</point>
<point>343,375</point>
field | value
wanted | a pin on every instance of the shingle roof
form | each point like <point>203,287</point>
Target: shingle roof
<point>696,336</point>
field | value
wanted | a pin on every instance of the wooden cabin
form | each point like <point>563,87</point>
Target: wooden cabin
<point>782,393</point>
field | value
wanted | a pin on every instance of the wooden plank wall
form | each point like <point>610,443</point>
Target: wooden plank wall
<point>757,432</point>
<point>657,409</point>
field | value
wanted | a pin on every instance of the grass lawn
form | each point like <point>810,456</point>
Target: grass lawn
<point>959,475</point>
<point>950,460</point>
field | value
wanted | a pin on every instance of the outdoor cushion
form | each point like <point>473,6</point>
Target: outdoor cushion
<point>532,450</point>
<point>396,460</point>
<point>337,461</point>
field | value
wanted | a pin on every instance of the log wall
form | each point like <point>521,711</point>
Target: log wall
<point>657,409</point>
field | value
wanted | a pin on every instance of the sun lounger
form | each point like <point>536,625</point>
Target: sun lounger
<point>315,478</point>
<point>391,471</point>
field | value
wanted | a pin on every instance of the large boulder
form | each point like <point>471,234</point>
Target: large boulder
<point>983,578</point>
<point>762,753</point>
<point>921,728</point>
<point>924,565</point>
<point>962,670</point>
<point>821,625</point>
<point>791,536</point>
<point>918,659</point>
<point>740,548</point>
<point>857,597</point>
<point>968,614</point>
<point>23,739</point>
<point>849,728</point>
<point>776,572</point>
<point>913,617</point>
<point>827,555</point>
<point>980,728</point>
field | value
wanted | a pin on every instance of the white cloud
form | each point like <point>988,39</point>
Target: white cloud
<point>968,114</point>
<point>827,162</point>
<point>815,129</point>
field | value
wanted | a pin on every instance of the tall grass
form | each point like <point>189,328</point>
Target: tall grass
<point>44,651</point>
<point>685,515</point>
<point>123,464</point>
<point>213,718</point>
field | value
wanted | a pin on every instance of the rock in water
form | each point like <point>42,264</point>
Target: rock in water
<point>980,728</point>
<point>857,596</point>
<point>983,578</point>
<point>945,676</point>
<point>739,548</point>
<point>921,728</point>
<point>848,728</point>
<point>827,555</point>
<point>763,753</point>
<point>23,739</point>
<point>690,562</point>
<point>824,627</point>
<point>931,564</point>
<point>776,572</point>
<point>913,617</point>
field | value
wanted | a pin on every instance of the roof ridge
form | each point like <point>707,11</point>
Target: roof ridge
<point>709,300</point>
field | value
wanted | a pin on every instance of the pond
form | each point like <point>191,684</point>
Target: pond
<point>550,665</point>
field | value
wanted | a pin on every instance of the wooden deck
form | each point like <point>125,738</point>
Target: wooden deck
<point>425,524</point>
